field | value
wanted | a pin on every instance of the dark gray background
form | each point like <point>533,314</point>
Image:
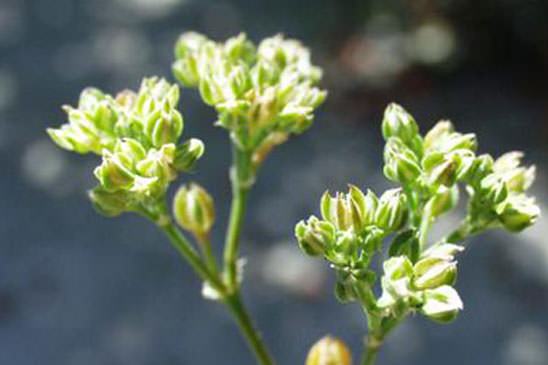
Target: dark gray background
<point>79,289</point>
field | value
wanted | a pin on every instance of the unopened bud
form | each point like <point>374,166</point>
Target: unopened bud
<point>493,189</point>
<point>437,134</point>
<point>440,169</point>
<point>113,173</point>
<point>194,209</point>
<point>132,149</point>
<point>329,351</point>
<point>392,211</point>
<point>518,212</point>
<point>353,210</point>
<point>108,203</point>
<point>186,154</point>
<point>401,163</point>
<point>396,281</point>
<point>441,304</point>
<point>443,201</point>
<point>432,272</point>
<point>165,128</point>
<point>239,48</point>
<point>158,163</point>
<point>397,122</point>
<point>189,42</point>
<point>315,236</point>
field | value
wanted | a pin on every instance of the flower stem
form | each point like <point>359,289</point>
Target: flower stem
<point>181,244</point>
<point>373,345</point>
<point>232,301</point>
<point>254,340</point>
<point>241,180</point>
<point>207,252</point>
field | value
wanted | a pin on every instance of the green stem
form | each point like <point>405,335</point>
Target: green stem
<point>464,231</point>
<point>372,350</point>
<point>181,244</point>
<point>242,179</point>
<point>247,328</point>
<point>232,301</point>
<point>207,252</point>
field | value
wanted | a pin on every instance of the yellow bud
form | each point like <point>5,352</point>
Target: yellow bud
<point>329,351</point>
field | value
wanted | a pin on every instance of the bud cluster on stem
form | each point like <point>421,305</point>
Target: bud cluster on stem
<point>418,276</point>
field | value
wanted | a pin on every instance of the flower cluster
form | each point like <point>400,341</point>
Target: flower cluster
<point>424,283</point>
<point>262,94</point>
<point>137,134</point>
<point>431,168</point>
<point>418,276</point>
<point>352,230</point>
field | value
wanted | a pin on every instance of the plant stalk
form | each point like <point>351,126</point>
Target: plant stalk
<point>232,301</point>
<point>252,336</point>
<point>241,179</point>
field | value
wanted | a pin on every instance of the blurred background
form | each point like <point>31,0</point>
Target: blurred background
<point>80,289</point>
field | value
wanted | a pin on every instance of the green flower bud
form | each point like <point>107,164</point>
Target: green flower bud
<point>432,272</point>
<point>130,148</point>
<point>98,108</point>
<point>113,173</point>
<point>186,154</point>
<point>158,163</point>
<point>507,162</point>
<point>239,80</point>
<point>210,91</point>
<point>481,167</point>
<point>392,212</point>
<point>353,210</point>
<point>493,189</point>
<point>401,163</point>
<point>109,204</point>
<point>441,170</point>
<point>239,48</point>
<point>345,247</point>
<point>438,133</point>
<point>74,139</point>
<point>443,201</point>
<point>164,128</point>
<point>441,304</point>
<point>458,141</point>
<point>329,351</point>
<point>315,236</point>
<point>443,138</point>
<point>265,73</point>
<point>396,281</point>
<point>518,178</point>
<point>188,43</point>
<point>397,122</point>
<point>518,212</point>
<point>194,209</point>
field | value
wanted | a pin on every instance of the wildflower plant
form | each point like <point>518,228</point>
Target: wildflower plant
<point>262,94</point>
<point>418,275</point>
